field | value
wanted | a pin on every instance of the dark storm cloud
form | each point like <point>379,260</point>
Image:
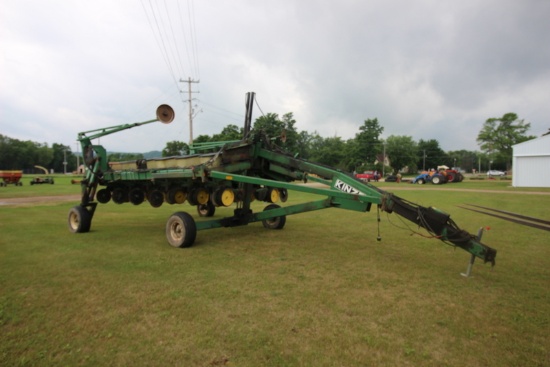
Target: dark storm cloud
<point>426,69</point>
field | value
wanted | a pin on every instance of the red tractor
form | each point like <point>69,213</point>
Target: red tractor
<point>452,175</point>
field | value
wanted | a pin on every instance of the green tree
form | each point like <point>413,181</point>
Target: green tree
<point>8,154</point>
<point>202,139</point>
<point>328,151</point>
<point>59,152</point>
<point>430,155</point>
<point>498,135</point>
<point>304,141</point>
<point>366,145</point>
<point>175,148</point>
<point>402,152</point>
<point>230,132</point>
<point>273,126</point>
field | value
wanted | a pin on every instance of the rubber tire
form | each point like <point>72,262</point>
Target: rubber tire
<point>436,180</point>
<point>136,196</point>
<point>119,195</point>
<point>420,181</point>
<point>276,222</point>
<point>181,230</point>
<point>156,198</point>
<point>176,195</point>
<point>79,219</point>
<point>103,196</point>
<point>451,177</point>
<point>284,195</point>
<point>206,210</point>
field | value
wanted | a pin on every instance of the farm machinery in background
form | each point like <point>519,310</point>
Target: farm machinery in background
<point>443,175</point>
<point>238,173</point>
<point>42,180</point>
<point>11,178</point>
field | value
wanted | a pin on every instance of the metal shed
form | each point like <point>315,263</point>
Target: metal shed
<point>531,163</point>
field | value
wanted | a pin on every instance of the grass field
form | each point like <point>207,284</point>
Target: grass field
<point>320,292</point>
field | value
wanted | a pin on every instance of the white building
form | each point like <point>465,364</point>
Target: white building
<point>531,163</point>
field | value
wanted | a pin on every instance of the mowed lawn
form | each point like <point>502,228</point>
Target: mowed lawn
<point>320,292</point>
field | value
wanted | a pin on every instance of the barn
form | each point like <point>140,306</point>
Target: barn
<point>531,163</point>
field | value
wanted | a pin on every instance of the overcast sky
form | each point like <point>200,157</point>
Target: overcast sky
<point>429,69</point>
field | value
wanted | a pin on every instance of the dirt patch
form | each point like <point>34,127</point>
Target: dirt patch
<point>39,200</point>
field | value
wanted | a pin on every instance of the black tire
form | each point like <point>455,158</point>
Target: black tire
<point>103,196</point>
<point>206,210</point>
<point>420,181</point>
<point>451,177</point>
<point>436,180</point>
<point>136,196</point>
<point>119,195</point>
<point>156,198</point>
<point>181,230</point>
<point>79,220</point>
<point>176,195</point>
<point>284,195</point>
<point>261,194</point>
<point>275,222</point>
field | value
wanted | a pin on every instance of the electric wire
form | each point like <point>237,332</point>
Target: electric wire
<point>192,24</point>
<point>160,41</point>
<point>174,38</point>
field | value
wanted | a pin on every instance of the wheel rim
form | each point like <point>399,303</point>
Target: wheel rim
<point>177,230</point>
<point>74,221</point>
<point>274,195</point>
<point>180,196</point>
<point>202,196</point>
<point>227,197</point>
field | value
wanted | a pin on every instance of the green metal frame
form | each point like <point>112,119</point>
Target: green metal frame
<point>255,163</point>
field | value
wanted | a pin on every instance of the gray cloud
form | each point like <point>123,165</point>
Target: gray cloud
<point>426,69</point>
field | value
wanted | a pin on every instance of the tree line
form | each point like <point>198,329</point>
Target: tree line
<point>365,151</point>
<point>368,151</point>
<point>17,154</point>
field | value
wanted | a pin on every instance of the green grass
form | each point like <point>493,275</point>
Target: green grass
<point>320,292</point>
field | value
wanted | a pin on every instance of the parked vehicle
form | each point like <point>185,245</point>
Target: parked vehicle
<point>365,176</point>
<point>452,175</point>
<point>492,173</point>
<point>435,178</point>
<point>42,180</point>
<point>10,178</point>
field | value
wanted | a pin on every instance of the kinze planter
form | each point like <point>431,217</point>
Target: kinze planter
<point>239,172</point>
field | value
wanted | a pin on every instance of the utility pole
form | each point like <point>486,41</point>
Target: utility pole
<point>189,81</point>
<point>424,160</point>
<point>77,158</point>
<point>384,162</point>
